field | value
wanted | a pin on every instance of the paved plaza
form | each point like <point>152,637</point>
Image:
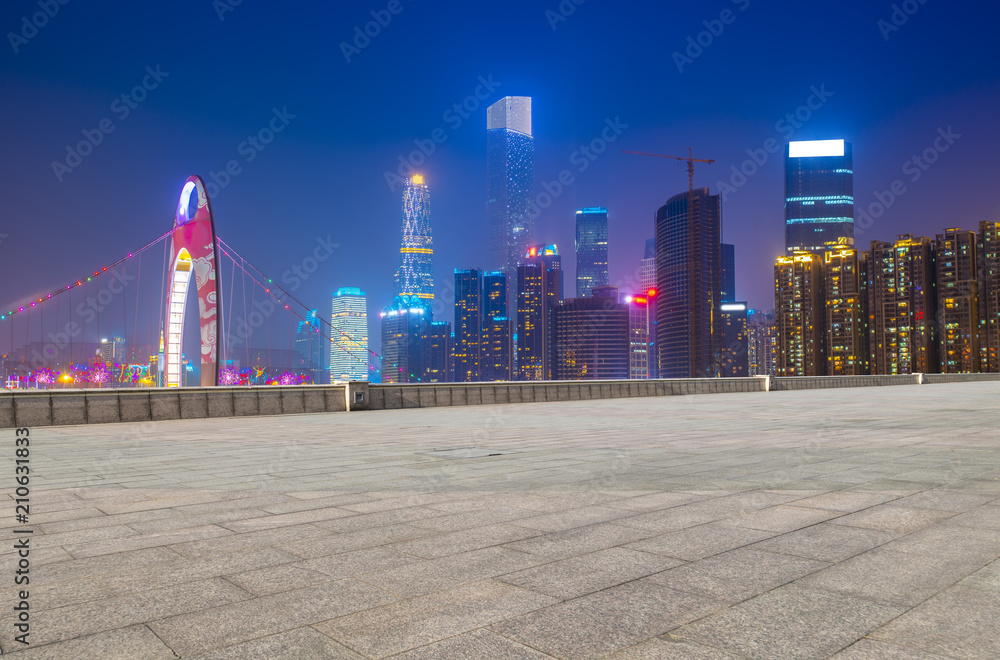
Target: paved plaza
<point>849,523</point>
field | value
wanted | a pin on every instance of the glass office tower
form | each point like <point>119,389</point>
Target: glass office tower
<point>415,276</point>
<point>689,285</point>
<point>591,250</point>
<point>349,335</point>
<point>819,195</point>
<point>510,157</point>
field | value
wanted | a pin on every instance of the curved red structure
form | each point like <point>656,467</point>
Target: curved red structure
<point>193,253</point>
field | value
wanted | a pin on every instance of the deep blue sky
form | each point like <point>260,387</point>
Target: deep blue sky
<point>324,174</point>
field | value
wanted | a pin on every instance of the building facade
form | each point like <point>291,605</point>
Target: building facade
<point>510,164</point>
<point>728,255</point>
<point>310,342</point>
<point>349,335</point>
<point>735,340</point>
<point>591,250</point>
<point>405,323</point>
<point>497,335</point>
<point>689,282</point>
<point>900,306</point>
<point>957,279</point>
<point>539,282</point>
<point>800,315</point>
<point>819,194</point>
<point>437,349</point>
<point>591,338</point>
<point>415,276</point>
<point>762,342</point>
<point>846,335</point>
<point>989,303</point>
<point>468,346</point>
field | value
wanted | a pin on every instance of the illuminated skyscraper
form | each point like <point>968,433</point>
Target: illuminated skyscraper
<point>957,280</point>
<point>689,278</point>
<point>591,250</point>
<point>900,306</point>
<point>639,324</point>
<point>349,335</point>
<point>415,276</point>
<point>846,340</point>
<point>799,315</point>
<point>539,282</point>
<point>497,339</point>
<point>647,284</point>
<point>989,296</point>
<point>510,156</point>
<point>405,324</point>
<point>819,194</point>
<point>468,325</point>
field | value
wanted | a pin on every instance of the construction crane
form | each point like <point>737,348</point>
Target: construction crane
<point>690,160</point>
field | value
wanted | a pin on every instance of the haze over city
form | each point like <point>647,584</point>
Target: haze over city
<point>224,70</point>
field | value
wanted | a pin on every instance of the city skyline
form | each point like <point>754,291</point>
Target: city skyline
<point>324,173</point>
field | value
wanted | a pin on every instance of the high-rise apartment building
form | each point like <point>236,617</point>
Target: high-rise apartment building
<point>591,337</point>
<point>900,306</point>
<point>510,158</point>
<point>957,279</point>
<point>989,296</point>
<point>819,194</point>
<point>689,282</point>
<point>591,250</point>
<point>405,323</point>
<point>468,325</point>
<point>349,335</point>
<point>846,339</point>
<point>415,276</point>
<point>800,315</point>
<point>539,281</point>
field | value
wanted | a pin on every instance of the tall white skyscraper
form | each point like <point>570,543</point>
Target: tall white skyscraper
<point>510,158</point>
<point>349,335</point>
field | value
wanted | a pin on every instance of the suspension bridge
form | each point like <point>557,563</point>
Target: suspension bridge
<point>136,323</point>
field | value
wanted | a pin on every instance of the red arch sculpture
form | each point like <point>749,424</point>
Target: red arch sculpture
<point>193,253</point>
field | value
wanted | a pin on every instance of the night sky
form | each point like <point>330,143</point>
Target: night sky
<point>223,71</point>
